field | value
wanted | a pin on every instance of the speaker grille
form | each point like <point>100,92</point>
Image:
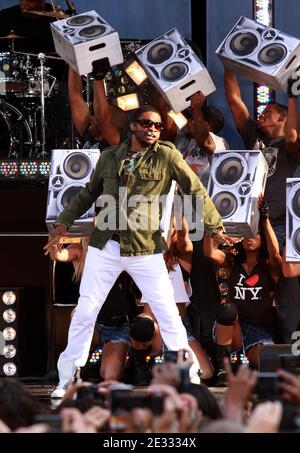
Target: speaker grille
<point>296,240</point>
<point>174,71</point>
<point>229,171</point>
<point>243,43</point>
<point>93,31</point>
<point>296,203</point>
<point>69,194</point>
<point>79,21</point>
<point>226,204</point>
<point>77,166</point>
<point>159,53</point>
<point>272,54</point>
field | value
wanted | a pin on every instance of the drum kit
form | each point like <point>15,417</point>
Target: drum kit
<point>26,84</point>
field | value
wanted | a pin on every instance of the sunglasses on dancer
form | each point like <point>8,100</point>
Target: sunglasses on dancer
<point>147,124</point>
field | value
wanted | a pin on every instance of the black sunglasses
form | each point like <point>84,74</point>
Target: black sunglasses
<point>148,123</point>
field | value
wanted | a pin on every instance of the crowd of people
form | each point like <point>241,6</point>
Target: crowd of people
<point>154,294</point>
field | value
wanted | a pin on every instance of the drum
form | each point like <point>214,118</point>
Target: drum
<point>15,132</point>
<point>34,83</point>
<point>13,69</point>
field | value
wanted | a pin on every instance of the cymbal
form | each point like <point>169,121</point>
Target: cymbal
<point>55,14</point>
<point>13,36</point>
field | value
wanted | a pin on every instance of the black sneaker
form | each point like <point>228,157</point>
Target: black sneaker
<point>221,380</point>
<point>142,375</point>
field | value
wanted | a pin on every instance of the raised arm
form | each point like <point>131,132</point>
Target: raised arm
<point>104,119</point>
<point>80,111</point>
<point>274,260</point>
<point>201,132</point>
<point>291,132</point>
<point>237,106</point>
<point>211,251</point>
<point>289,269</point>
<point>169,131</point>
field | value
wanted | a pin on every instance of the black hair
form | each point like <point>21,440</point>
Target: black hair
<point>143,109</point>
<point>214,117</point>
<point>263,254</point>
<point>281,108</point>
<point>142,329</point>
<point>207,402</point>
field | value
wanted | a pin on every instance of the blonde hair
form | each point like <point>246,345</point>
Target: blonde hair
<point>79,264</point>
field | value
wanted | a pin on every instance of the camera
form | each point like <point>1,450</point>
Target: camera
<point>170,356</point>
<point>267,386</point>
<point>90,392</point>
<point>126,400</point>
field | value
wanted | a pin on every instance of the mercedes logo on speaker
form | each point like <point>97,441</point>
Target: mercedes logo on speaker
<point>270,34</point>
<point>185,52</point>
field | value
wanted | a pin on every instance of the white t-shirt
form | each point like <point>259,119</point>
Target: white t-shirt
<point>199,160</point>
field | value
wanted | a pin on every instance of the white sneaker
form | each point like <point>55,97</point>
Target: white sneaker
<point>195,374</point>
<point>60,390</point>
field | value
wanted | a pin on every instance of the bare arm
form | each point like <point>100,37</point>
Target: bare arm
<point>103,121</point>
<point>201,132</point>
<point>275,260</point>
<point>289,269</point>
<point>210,249</point>
<point>237,106</point>
<point>65,255</point>
<point>291,134</point>
<point>80,111</point>
<point>169,131</point>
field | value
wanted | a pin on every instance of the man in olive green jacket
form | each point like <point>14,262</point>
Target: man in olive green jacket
<point>127,237</point>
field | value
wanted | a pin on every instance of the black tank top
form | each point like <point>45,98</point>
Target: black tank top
<point>251,294</point>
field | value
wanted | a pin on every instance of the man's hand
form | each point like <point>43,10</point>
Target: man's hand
<point>293,87</point>
<point>197,100</point>
<point>265,418</point>
<point>289,386</point>
<point>60,230</point>
<point>221,238</point>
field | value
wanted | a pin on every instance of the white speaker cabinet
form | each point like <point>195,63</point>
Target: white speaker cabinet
<point>80,40</point>
<point>293,219</point>
<point>260,53</point>
<point>174,69</point>
<point>71,169</point>
<point>236,180</point>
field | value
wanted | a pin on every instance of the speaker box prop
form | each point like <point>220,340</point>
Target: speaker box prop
<point>293,219</point>
<point>70,170</point>
<point>260,53</point>
<point>174,69</point>
<point>236,180</point>
<point>83,39</point>
<point>273,356</point>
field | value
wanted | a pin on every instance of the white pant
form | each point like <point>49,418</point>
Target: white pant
<point>101,269</point>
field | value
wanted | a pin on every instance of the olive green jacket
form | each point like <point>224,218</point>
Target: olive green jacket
<point>152,176</point>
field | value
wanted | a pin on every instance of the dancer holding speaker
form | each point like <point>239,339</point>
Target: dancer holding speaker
<point>247,276</point>
<point>275,134</point>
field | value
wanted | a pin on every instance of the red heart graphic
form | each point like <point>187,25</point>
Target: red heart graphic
<point>251,281</point>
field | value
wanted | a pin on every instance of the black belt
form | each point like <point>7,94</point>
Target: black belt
<point>116,237</point>
<point>114,321</point>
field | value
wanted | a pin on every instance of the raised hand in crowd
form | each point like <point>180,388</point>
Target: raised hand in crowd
<point>240,387</point>
<point>289,386</point>
<point>265,418</point>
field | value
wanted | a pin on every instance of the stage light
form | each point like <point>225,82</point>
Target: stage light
<point>8,168</point>
<point>263,14</point>
<point>9,315</point>
<point>9,351</point>
<point>9,333</point>
<point>9,297</point>
<point>9,369</point>
<point>178,118</point>
<point>136,72</point>
<point>44,168</point>
<point>128,102</point>
<point>28,168</point>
